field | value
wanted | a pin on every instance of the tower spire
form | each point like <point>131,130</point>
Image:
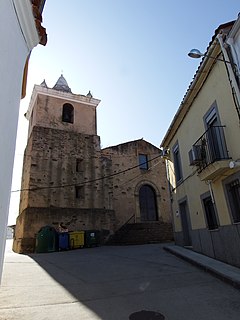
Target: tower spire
<point>62,85</point>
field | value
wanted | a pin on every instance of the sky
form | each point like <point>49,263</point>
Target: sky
<point>131,54</point>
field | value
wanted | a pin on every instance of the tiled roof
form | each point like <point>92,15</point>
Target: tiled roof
<point>217,31</point>
<point>37,7</point>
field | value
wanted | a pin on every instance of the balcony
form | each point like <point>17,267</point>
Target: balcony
<point>210,154</point>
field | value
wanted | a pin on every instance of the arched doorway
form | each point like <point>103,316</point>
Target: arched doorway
<point>147,202</point>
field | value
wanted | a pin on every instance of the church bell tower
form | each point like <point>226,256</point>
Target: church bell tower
<point>62,169</point>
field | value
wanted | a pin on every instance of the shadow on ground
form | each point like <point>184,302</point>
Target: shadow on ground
<point>110,281</point>
<point>131,283</point>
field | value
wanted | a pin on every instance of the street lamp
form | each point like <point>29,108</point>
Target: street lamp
<point>195,53</point>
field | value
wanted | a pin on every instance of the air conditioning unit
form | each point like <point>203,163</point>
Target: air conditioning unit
<point>195,155</point>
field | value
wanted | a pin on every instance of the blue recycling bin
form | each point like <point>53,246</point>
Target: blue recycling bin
<point>63,240</point>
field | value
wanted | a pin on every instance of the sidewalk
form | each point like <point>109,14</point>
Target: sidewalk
<point>217,268</point>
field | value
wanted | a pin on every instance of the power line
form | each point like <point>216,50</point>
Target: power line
<point>137,176</point>
<point>63,156</point>
<point>89,181</point>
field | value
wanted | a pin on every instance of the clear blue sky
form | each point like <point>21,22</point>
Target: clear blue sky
<point>131,54</point>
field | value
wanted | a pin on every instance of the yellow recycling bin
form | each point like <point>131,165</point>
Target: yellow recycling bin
<point>76,239</point>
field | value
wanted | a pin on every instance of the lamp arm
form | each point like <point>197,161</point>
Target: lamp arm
<point>219,59</point>
<point>219,38</point>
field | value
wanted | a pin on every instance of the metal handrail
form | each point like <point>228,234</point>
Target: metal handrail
<point>122,227</point>
<point>211,146</point>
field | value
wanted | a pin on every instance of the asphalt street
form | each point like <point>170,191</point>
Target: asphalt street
<point>112,283</point>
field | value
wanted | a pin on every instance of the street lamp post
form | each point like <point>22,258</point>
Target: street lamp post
<point>196,54</point>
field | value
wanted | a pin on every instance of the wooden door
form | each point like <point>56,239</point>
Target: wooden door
<point>147,199</point>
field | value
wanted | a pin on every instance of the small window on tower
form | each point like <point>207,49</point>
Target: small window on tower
<point>68,113</point>
<point>79,165</point>
<point>79,191</point>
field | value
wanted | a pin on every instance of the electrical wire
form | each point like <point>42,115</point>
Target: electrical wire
<point>87,182</point>
<point>132,179</point>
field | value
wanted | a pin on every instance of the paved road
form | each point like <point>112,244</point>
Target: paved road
<point>112,283</point>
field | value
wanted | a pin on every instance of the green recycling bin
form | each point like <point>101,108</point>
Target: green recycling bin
<point>92,238</point>
<point>46,240</point>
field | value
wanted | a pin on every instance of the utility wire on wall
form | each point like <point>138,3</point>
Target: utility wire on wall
<point>89,181</point>
<point>103,155</point>
<point>132,179</point>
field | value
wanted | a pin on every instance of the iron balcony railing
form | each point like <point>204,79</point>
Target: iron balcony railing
<point>210,147</point>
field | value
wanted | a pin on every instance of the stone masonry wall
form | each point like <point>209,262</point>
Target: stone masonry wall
<point>31,220</point>
<point>48,113</point>
<point>51,173</point>
<point>126,186</point>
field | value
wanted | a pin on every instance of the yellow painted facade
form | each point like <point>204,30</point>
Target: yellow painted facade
<point>205,131</point>
<point>191,129</point>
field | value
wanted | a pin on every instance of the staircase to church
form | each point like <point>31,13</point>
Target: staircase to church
<point>142,233</point>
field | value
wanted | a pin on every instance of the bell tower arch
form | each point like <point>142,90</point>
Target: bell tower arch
<point>59,108</point>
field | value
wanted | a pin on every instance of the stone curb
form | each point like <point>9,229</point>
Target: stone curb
<point>223,271</point>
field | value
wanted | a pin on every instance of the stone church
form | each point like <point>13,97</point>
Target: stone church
<point>69,181</point>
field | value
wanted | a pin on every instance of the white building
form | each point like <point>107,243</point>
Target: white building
<point>20,32</point>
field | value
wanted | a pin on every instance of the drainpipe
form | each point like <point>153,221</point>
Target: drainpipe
<point>231,76</point>
<point>170,191</point>
<point>209,183</point>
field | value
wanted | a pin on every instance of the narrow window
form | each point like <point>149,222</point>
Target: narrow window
<point>143,161</point>
<point>233,192</point>
<point>215,144</point>
<point>213,136</point>
<point>79,165</point>
<point>79,192</point>
<point>210,213</point>
<point>68,113</point>
<point>177,163</point>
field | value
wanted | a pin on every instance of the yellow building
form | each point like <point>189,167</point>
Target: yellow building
<point>202,153</point>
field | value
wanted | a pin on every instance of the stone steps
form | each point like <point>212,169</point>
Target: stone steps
<point>142,233</point>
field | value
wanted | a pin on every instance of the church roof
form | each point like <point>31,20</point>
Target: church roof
<point>62,85</point>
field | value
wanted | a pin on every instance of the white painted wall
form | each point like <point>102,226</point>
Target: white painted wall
<point>18,35</point>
